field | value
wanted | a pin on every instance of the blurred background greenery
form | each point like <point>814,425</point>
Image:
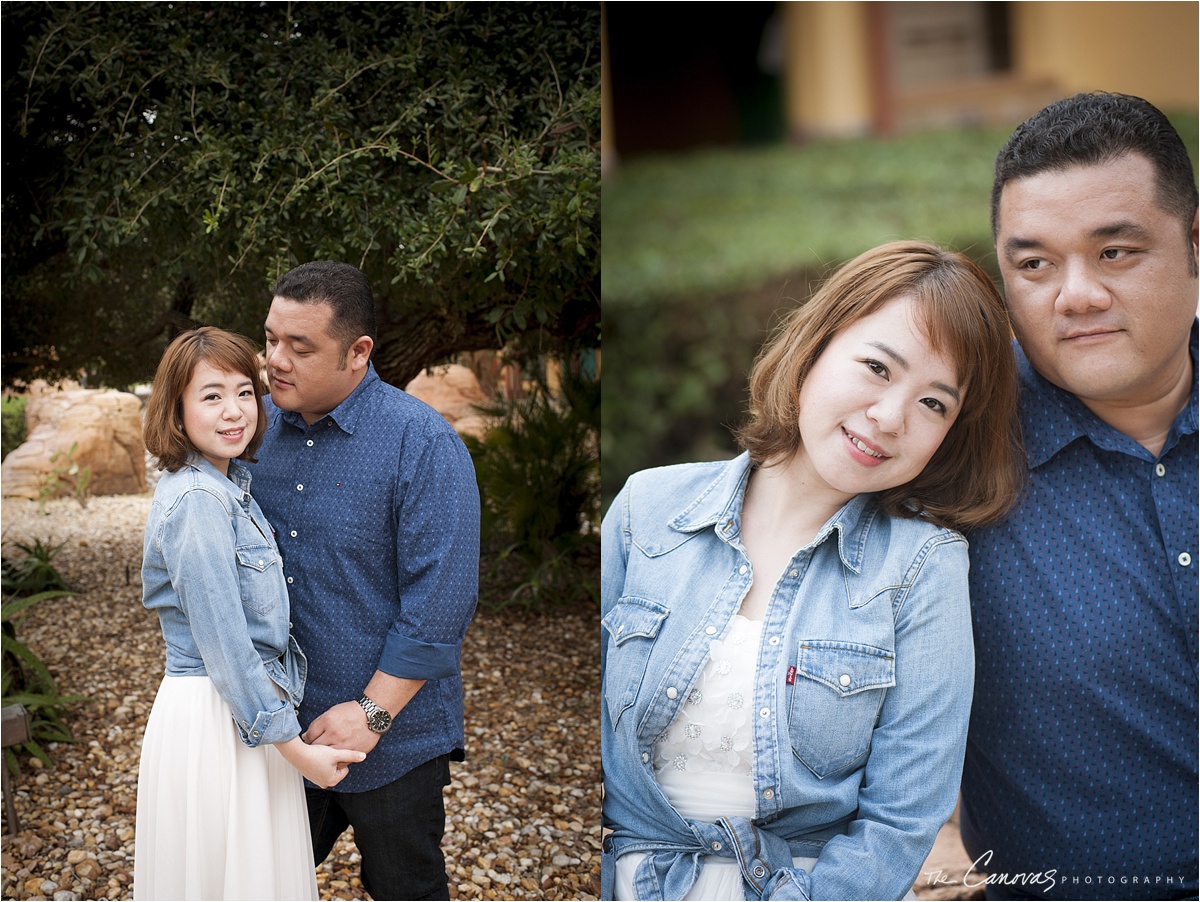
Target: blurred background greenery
<point>705,250</point>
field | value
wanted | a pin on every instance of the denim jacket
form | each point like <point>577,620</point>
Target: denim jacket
<point>212,571</point>
<point>861,699</point>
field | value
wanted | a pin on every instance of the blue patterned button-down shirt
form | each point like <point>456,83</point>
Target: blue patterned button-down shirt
<point>376,511</point>
<point>1082,756</point>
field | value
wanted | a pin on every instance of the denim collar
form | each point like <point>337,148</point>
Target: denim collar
<point>239,475</point>
<point>347,414</point>
<point>719,506</point>
<point>1053,418</point>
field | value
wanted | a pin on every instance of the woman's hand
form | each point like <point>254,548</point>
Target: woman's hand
<point>323,765</point>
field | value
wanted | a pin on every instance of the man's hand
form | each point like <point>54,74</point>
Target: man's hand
<point>343,726</point>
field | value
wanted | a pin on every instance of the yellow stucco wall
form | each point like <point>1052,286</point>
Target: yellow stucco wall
<point>827,86</point>
<point>1151,49</point>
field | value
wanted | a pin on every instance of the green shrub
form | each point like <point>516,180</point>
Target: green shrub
<point>539,479</point>
<point>25,680</point>
<point>13,412</point>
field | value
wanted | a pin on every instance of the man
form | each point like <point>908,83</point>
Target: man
<point>1081,765</point>
<point>373,499</point>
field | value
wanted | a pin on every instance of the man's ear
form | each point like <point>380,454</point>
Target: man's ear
<point>360,352</point>
<point>1195,240</point>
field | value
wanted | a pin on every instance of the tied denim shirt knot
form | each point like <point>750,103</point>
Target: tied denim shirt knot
<point>764,859</point>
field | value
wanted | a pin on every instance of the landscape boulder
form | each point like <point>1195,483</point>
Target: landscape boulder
<point>453,391</point>
<point>105,426</point>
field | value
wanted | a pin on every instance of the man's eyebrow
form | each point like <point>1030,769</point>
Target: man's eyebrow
<point>294,339</point>
<point>1121,229</point>
<point>1012,245</point>
<point>896,356</point>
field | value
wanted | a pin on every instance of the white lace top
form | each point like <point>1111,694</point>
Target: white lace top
<point>713,731</point>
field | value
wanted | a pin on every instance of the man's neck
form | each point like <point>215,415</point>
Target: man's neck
<point>1148,422</point>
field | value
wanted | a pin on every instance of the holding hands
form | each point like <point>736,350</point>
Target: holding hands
<point>323,765</point>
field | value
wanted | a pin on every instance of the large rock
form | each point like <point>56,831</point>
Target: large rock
<point>453,391</point>
<point>105,426</point>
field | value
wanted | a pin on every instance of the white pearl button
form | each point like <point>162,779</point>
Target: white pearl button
<point>711,631</point>
<point>1185,559</point>
<point>672,692</point>
<point>1160,470</point>
<point>765,712</point>
<point>289,580</point>
<point>742,569</point>
<point>844,679</point>
<point>774,640</point>
<point>300,488</point>
<point>768,793</point>
<point>645,757</point>
<point>294,533</point>
<point>309,443</point>
<point>793,573</point>
<point>716,847</point>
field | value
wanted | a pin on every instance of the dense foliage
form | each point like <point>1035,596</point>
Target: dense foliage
<point>539,481</point>
<point>165,163</point>
<point>24,679</point>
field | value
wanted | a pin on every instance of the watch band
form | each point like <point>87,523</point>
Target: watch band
<point>378,719</point>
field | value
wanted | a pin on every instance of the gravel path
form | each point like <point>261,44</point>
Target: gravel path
<point>523,812</point>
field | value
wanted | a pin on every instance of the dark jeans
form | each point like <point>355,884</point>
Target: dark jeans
<point>398,829</point>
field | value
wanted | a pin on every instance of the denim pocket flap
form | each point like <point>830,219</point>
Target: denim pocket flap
<point>633,618</point>
<point>256,558</point>
<point>846,667</point>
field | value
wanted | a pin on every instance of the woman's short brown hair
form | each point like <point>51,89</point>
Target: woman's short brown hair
<point>162,428</point>
<point>976,474</point>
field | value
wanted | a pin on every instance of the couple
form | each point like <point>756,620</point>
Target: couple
<point>316,635</point>
<point>788,654</point>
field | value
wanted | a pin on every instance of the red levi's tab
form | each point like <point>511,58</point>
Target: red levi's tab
<point>791,677</point>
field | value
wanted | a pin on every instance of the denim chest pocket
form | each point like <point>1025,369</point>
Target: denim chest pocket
<point>259,577</point>
<point>632,626</point>
<point>835,702</point>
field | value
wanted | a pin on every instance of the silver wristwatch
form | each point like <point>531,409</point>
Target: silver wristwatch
<point>377,718</point>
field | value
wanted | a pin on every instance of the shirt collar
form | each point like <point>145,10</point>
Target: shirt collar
<point>239,475</point>
<point>347,414</point>
<point>1053,418</point>
<point>719,506</point>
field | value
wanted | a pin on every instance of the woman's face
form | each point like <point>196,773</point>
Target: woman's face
<point>876,404</point>
<point>220,413</point>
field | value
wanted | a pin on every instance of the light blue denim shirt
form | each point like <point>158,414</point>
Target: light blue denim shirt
<point>861,698</point>
<point>212,571</point>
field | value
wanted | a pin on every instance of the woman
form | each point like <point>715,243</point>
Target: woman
<point>220,813</point>
<point>787,645</point>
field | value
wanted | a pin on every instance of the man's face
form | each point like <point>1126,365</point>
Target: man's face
<point>1098,280</point>
<point>307,370</point>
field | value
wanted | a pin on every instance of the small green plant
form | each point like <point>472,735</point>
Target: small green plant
<point>13,414</point>
<point>538,470</point>
<point>66,478</point>
<point>35,572</point>
<point>25,680</point>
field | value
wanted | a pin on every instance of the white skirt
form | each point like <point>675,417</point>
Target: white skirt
<point>216,819</point>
